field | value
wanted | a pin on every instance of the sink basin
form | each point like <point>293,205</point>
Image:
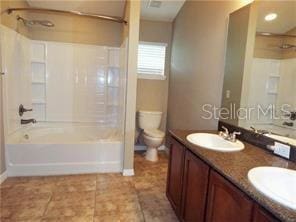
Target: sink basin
<point>214,142</point>
<point>276,183</point>
<point>282,138</point>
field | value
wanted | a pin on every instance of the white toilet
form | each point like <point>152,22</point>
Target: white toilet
<point>149,122</point>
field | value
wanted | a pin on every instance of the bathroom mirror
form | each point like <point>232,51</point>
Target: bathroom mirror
<point>260,70</point>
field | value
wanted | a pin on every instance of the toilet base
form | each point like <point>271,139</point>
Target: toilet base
<point>151,154</point>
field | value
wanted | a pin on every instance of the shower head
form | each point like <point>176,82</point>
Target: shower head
<point>287,46</point>
<point>43,23</point>
<point>26,22</point>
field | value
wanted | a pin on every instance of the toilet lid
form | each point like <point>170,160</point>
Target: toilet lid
<point>154,133</point>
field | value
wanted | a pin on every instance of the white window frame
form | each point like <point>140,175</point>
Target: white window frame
<point>154,76</point>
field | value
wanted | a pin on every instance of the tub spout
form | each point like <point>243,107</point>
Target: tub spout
<point>27,121</point>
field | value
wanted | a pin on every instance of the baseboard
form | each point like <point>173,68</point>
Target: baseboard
<point>3,177</point>
<point>63,168</point>
<point>140,147</point>
<point>143,147</point>
<point>128,172</point>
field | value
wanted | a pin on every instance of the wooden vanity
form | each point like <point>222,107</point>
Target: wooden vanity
<point>205,185</point>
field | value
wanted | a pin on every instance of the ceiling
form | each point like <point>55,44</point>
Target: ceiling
<point>111,8</point>
<point>167,11</point>
<point>286,16</point>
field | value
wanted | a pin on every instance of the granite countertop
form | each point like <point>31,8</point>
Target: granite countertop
<point>235,166</point>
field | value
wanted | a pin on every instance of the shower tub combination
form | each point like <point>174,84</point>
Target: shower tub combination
<point>56,149</point>
<point>77,95</point>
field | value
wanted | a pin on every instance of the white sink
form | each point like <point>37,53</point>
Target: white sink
<point>282,138</point>
<point>214,142</point>
<point>276,183</point>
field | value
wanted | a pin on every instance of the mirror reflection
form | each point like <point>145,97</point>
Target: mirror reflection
<point>267,102</point>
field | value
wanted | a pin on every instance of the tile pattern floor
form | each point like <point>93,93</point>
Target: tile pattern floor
<point>90,197</point>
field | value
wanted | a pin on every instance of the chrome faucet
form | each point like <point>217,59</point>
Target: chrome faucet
<point>291,115</point>
<point>260,131</point>
<point>290,124</point>
<point>27,121</point>
<point>224,134</point>
<point>232,136</point>
<point>228,136</point>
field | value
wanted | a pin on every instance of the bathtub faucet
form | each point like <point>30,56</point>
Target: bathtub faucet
<point>27,121</point>
<point>22,110</point>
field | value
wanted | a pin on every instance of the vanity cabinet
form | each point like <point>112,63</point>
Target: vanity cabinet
<point>175,175</point>
<point>226,202</point>
<point>261,215</point>
<point>195,185</point>
<point>198,193</point>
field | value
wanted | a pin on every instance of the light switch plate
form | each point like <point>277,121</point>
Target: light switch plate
<point>227,94</point>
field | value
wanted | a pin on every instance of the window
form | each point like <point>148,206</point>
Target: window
<point>151,60</point>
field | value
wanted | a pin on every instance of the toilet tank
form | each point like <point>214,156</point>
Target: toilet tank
<point>149,119</point>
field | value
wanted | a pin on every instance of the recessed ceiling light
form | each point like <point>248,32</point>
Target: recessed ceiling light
<point>270,16</point>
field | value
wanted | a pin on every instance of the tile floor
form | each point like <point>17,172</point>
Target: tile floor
<point>90,197</point>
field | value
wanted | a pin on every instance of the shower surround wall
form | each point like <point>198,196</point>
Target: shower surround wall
<point>77,83</point>
<point>62,81</point>
<point>16,55</point>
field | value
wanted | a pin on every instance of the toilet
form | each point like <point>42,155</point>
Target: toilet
<point>149,122</point>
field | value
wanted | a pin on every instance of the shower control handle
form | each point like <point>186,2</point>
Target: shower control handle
<point>22,109</point>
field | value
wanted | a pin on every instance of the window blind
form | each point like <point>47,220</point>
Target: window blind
<point>151,58</point>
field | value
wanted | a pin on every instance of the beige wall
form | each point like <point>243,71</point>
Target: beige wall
<point>10,20</point>
<point>237,41</point>
<point>2,156</point>
<point>290,53</point>
<point>67,28</point>
<point>76,29</point>
<point>131,31</point>
<point>197,62</point>
<point>268,46</point>
<point>153,94</point>
<point>2,151</point>
<point>249,54</point>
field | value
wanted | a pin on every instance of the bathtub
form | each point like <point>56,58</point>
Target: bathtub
<point>56,149</point>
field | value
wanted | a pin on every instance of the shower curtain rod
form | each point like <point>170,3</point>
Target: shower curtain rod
<point>77,13</point>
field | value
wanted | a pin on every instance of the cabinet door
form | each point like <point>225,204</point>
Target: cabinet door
<point>226,203</point>
<point>175,174</point>
<point>195,185</point>
<point>260,215</point>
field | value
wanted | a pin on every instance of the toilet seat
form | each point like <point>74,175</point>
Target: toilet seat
<point>156,133</point>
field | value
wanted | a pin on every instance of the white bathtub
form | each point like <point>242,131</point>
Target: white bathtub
<point>55,149</point>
